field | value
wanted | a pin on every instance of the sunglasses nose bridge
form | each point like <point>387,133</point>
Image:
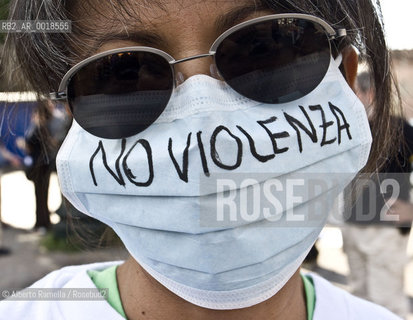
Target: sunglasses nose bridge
<point>198,56</point>
<point>189,66</point>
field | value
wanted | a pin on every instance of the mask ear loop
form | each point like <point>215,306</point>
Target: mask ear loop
<point>338,60</point>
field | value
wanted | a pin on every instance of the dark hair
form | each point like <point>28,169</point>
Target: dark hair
<point>43,58</point>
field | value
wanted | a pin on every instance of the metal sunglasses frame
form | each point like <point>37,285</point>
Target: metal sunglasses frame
<point>331,33</point>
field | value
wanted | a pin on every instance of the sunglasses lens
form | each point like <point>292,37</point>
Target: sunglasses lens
<point>120,94</point>
<point>275,61</point>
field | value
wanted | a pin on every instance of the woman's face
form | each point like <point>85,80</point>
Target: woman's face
<point>163,186</point>
<point>180,28</point>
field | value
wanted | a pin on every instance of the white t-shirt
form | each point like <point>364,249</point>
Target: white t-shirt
<point>332,303</point>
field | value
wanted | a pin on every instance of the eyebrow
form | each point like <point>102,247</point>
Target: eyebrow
<point>150,37</point>
<point>145,37</point>
<point>237,15</point>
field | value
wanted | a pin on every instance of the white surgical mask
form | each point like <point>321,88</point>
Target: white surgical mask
<point>161,190</point>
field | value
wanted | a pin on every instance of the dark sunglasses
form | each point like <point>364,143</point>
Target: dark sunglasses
<point>271,59</point>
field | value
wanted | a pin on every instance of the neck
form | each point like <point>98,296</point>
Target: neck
<point>145,298</point>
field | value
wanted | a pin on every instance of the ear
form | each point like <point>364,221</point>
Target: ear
<point>350,65</point>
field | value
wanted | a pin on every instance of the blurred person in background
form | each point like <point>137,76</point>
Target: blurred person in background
<point>378,216</point>
<point>48,122</point>
<point>8,159</point>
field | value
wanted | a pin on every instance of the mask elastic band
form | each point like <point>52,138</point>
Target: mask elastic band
<point>339,60</point>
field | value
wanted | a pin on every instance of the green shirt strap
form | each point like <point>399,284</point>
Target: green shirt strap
<point>309,295</point>
<point>107,279</point>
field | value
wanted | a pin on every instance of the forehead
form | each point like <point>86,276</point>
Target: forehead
<point>151,10</point>
<point>191,9</point>
<point>104,16</point>
<point>98,23</point>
